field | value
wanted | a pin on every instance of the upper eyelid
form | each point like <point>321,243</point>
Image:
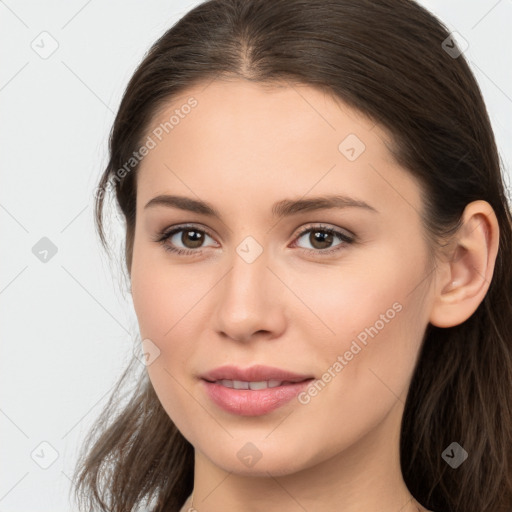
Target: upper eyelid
<point>176,229</point>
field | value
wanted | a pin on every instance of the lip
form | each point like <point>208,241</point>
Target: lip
<point>253,402</point>
<point>253,374</point>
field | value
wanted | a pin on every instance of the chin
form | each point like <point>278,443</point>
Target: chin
<point>260,458</point>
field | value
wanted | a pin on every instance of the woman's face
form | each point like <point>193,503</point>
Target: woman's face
<point>263,283</point>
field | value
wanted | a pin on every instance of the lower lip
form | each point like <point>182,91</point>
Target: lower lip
<point>246,402</point>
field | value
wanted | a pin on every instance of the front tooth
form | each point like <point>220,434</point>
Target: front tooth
<point>227,383</point>
<point>240,384</point>
<point>262,384</point>
<point>274,383</point>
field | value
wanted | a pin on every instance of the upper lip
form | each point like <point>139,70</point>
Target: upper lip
<point>255,373</point>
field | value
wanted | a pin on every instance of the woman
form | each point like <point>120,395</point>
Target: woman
<point>318,243</point>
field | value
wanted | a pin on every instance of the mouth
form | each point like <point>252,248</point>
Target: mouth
<point>254,391</point>
<point>256,374</point>
<point>255,385</point>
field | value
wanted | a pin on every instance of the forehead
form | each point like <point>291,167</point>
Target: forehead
<point>269,141</point>
<point>262,108</point>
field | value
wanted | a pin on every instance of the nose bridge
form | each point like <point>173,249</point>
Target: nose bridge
<point>249,299</point>
<point>248,281</point>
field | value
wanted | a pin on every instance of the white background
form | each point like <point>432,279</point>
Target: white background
<point>68,325</point>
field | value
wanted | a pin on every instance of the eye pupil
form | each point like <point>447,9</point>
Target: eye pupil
<point>197,240</point>
<point>323,237</point>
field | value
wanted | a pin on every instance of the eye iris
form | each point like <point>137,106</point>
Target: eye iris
<point>196,241</point>
<point>323,237</point>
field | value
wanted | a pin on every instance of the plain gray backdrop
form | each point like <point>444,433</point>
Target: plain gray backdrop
<point>67,319</point>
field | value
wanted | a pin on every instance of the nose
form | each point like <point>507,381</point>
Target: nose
<point>251,301</point>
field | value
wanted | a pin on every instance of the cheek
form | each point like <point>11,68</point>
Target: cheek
<point>164,294</point>
<point>371,315</point>
<point>164,299</point>
<point>369,360</point>
<point>346,300</point>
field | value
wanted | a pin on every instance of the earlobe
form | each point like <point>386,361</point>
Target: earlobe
<point>468,269</point>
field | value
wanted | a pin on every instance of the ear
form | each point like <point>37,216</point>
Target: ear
<point>464,277</point>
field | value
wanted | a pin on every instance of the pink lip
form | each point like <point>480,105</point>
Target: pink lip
<point>253,374</point>
<point>246,402</point>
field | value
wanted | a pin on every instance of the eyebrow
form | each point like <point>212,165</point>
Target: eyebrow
<point>283,208</point>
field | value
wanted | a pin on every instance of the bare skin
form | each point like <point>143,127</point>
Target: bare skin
<point>242,149</point>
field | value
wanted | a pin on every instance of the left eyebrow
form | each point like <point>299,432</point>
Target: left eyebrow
<point>288,207</point>
<point>283,208</point>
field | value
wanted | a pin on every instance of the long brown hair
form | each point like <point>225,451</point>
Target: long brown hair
<point>389,59</point>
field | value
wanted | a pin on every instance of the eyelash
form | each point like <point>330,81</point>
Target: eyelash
<point>163,236</point>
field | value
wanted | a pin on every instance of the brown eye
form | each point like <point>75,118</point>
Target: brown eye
<point>184,240</point>
<point>321,239</point>
<point>193,237</point>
